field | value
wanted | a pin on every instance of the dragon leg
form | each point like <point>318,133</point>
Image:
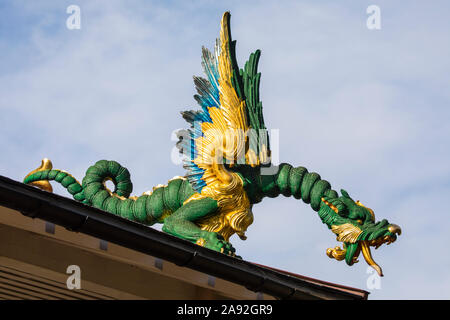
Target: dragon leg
<point>181,223</point>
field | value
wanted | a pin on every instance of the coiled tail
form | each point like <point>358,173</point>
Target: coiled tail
<point>42,175</point>
<point>299,183</point>
<point>149,208</point>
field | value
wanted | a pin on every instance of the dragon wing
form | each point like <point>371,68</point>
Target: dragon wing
<point>220,135</point>
<point>259,151</point>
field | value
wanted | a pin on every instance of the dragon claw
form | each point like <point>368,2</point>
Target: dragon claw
<point>217,243</point>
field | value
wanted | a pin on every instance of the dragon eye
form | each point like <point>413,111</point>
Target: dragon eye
<point>359,221</point>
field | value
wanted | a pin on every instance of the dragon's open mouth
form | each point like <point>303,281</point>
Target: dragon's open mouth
<point>351,251</point>
<point>367,254</point>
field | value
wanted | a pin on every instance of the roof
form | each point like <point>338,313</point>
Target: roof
<point>75,216</point>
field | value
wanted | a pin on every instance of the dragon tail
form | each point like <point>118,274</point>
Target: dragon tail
<point>116,201</point>
<point>41,176</point>
<point>149,208</point>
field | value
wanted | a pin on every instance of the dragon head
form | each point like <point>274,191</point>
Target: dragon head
<point>355,226</point>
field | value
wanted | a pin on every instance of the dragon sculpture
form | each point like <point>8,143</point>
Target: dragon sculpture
<point>226,151</point>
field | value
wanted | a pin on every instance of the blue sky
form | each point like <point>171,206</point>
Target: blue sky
<point>366,109</point>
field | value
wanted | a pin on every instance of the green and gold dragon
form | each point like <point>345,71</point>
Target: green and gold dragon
<point>228,163</point>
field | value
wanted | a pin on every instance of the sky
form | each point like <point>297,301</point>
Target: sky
<point>367,109</point>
